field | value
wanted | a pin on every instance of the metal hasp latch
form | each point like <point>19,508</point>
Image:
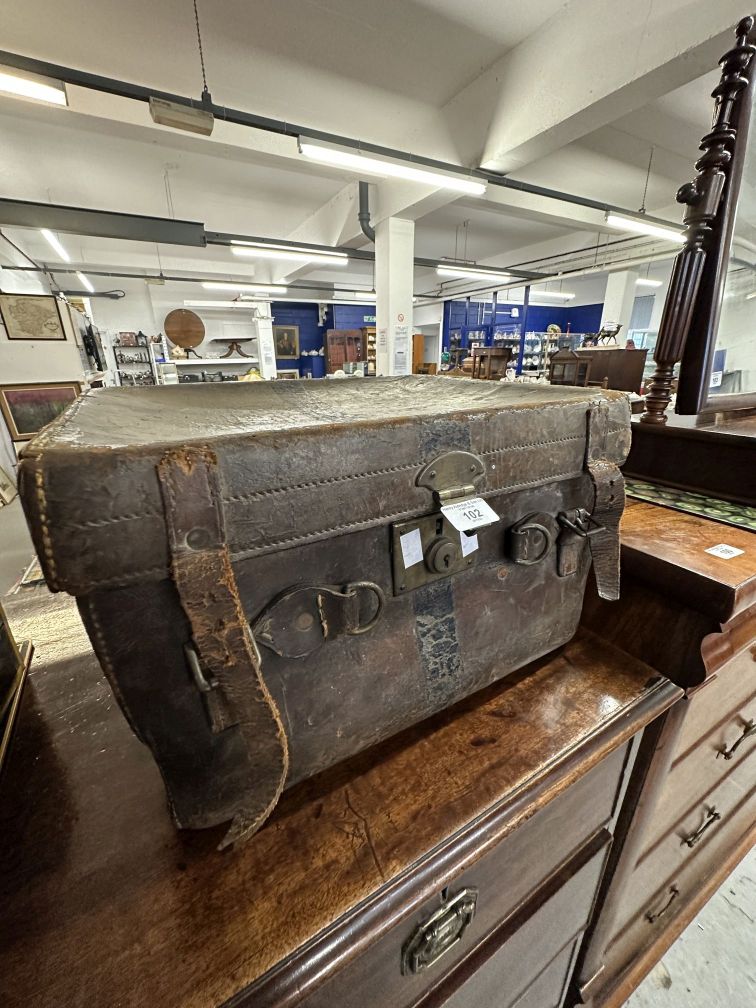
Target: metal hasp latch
<point>429,548</point>
<point>432,939</point>
<point>577,527</point>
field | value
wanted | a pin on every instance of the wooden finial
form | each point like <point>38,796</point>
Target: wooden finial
<point>703,198</point>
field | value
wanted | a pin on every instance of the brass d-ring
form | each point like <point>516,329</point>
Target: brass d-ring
<point>369,586</point>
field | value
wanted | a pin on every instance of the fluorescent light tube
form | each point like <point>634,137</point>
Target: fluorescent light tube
<point>390,169</point>
<point>239,287</point>
<point>55,243</point>
<point>264,248</point>
<point>296,257</point>
<point>471,272</point>
<point>557,295</point>
<point>640,226</point>
<point>22,85</point>
<point>643,282</point>
<point>85,282</point>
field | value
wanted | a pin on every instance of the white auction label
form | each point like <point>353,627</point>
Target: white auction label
<point>724,551</point>
<point>469,514</point>
<point>412,548</point>
<point>469,543</point>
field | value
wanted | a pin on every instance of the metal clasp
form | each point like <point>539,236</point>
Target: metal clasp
<point>452,476</point>
<point>583,523</point>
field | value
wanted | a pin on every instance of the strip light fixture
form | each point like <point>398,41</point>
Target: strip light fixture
<point>85,282</point>
<point>556,295</point>
<point>54,241</point>
<point>240,288</point>
<point>645,282</point>
<point>350,161</point>
<point>290,253</point>
<point>472,272</point>
<point>624,222</point>
<point>23,85</point>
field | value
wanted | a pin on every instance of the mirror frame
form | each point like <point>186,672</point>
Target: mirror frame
<point>692,310</point>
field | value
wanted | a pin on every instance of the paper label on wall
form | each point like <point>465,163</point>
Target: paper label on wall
<point>469,514</point>
<point>724,551</point>
<point>412,548</point>
<point>469,543</point>
<point>401,349</point>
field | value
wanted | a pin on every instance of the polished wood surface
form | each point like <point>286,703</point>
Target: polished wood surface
<point>692,616</point>
<point>105,903</point>
<point>669,547</point>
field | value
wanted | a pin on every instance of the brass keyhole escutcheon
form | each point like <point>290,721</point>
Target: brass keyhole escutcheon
<point>442,556</point>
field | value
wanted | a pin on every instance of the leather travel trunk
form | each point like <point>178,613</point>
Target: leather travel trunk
<point>269,581</point>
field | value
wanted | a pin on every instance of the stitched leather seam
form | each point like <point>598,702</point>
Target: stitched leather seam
<point>261,494</point>
<point>243,551</point>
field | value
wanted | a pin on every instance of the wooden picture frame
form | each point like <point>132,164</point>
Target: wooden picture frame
<point>8,489</point>
<point>28,408</point>
<point>287,373</point>
<point>286,341</point>
<point>32,317</point>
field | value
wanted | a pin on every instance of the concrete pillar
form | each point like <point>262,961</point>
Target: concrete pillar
<point>618,299</point>
<point>660,296</point>
<point>394,274</point>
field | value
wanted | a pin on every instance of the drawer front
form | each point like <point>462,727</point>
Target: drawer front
<point>732,687</point>
<point>503,879</point>
<point>508,975</point>
<point>672,874</point>
<point>548,990</point>
<point>702,771</point>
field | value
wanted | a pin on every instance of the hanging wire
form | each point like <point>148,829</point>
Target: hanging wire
<point>642,208</point>
<point>201,52</point>
<point>168,195</point>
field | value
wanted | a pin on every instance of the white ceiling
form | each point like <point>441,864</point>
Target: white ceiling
<point>383,72</point>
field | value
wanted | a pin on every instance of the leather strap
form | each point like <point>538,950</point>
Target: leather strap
<point>608,505</point>
<point>228,656</point>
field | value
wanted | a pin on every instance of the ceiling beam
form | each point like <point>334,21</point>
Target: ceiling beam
<point>594,61</point>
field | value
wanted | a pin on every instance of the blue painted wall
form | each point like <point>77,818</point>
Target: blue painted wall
<point>311,332</point>
<point>582,318</point>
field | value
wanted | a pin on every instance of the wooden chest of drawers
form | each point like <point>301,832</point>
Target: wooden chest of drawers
<point>692,810</point>
<point>455,866</point>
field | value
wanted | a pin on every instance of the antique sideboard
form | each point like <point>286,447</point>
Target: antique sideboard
<point>538,845</point>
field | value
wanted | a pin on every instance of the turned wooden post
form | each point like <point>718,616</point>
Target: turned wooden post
<point>702,198</point>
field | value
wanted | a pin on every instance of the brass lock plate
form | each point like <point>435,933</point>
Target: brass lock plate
<point>437,554</point>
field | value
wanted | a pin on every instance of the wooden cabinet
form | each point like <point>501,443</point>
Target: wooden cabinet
<point>622,369</point>
<point>457,863</point>
<point>692,810</point>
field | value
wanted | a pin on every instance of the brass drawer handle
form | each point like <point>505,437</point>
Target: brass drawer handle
<point>712,816</point>
<point>674,892</point>
<point>435,936</point>
<point>749,730</point>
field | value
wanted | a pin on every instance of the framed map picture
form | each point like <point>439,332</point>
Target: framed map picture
<point>28,408</point>
<point>31,317</point>
<point>286,338</point>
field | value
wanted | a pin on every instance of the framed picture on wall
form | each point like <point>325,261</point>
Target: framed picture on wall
<point>26,409</point>
<point>31,317</point>
<point>288,373</point>
<point>286,339</point>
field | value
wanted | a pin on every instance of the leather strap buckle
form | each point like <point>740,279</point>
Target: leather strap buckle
<point>302,619</point>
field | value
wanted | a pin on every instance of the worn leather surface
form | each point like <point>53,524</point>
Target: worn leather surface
<point>297,463</point>
<point>309,478</point>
